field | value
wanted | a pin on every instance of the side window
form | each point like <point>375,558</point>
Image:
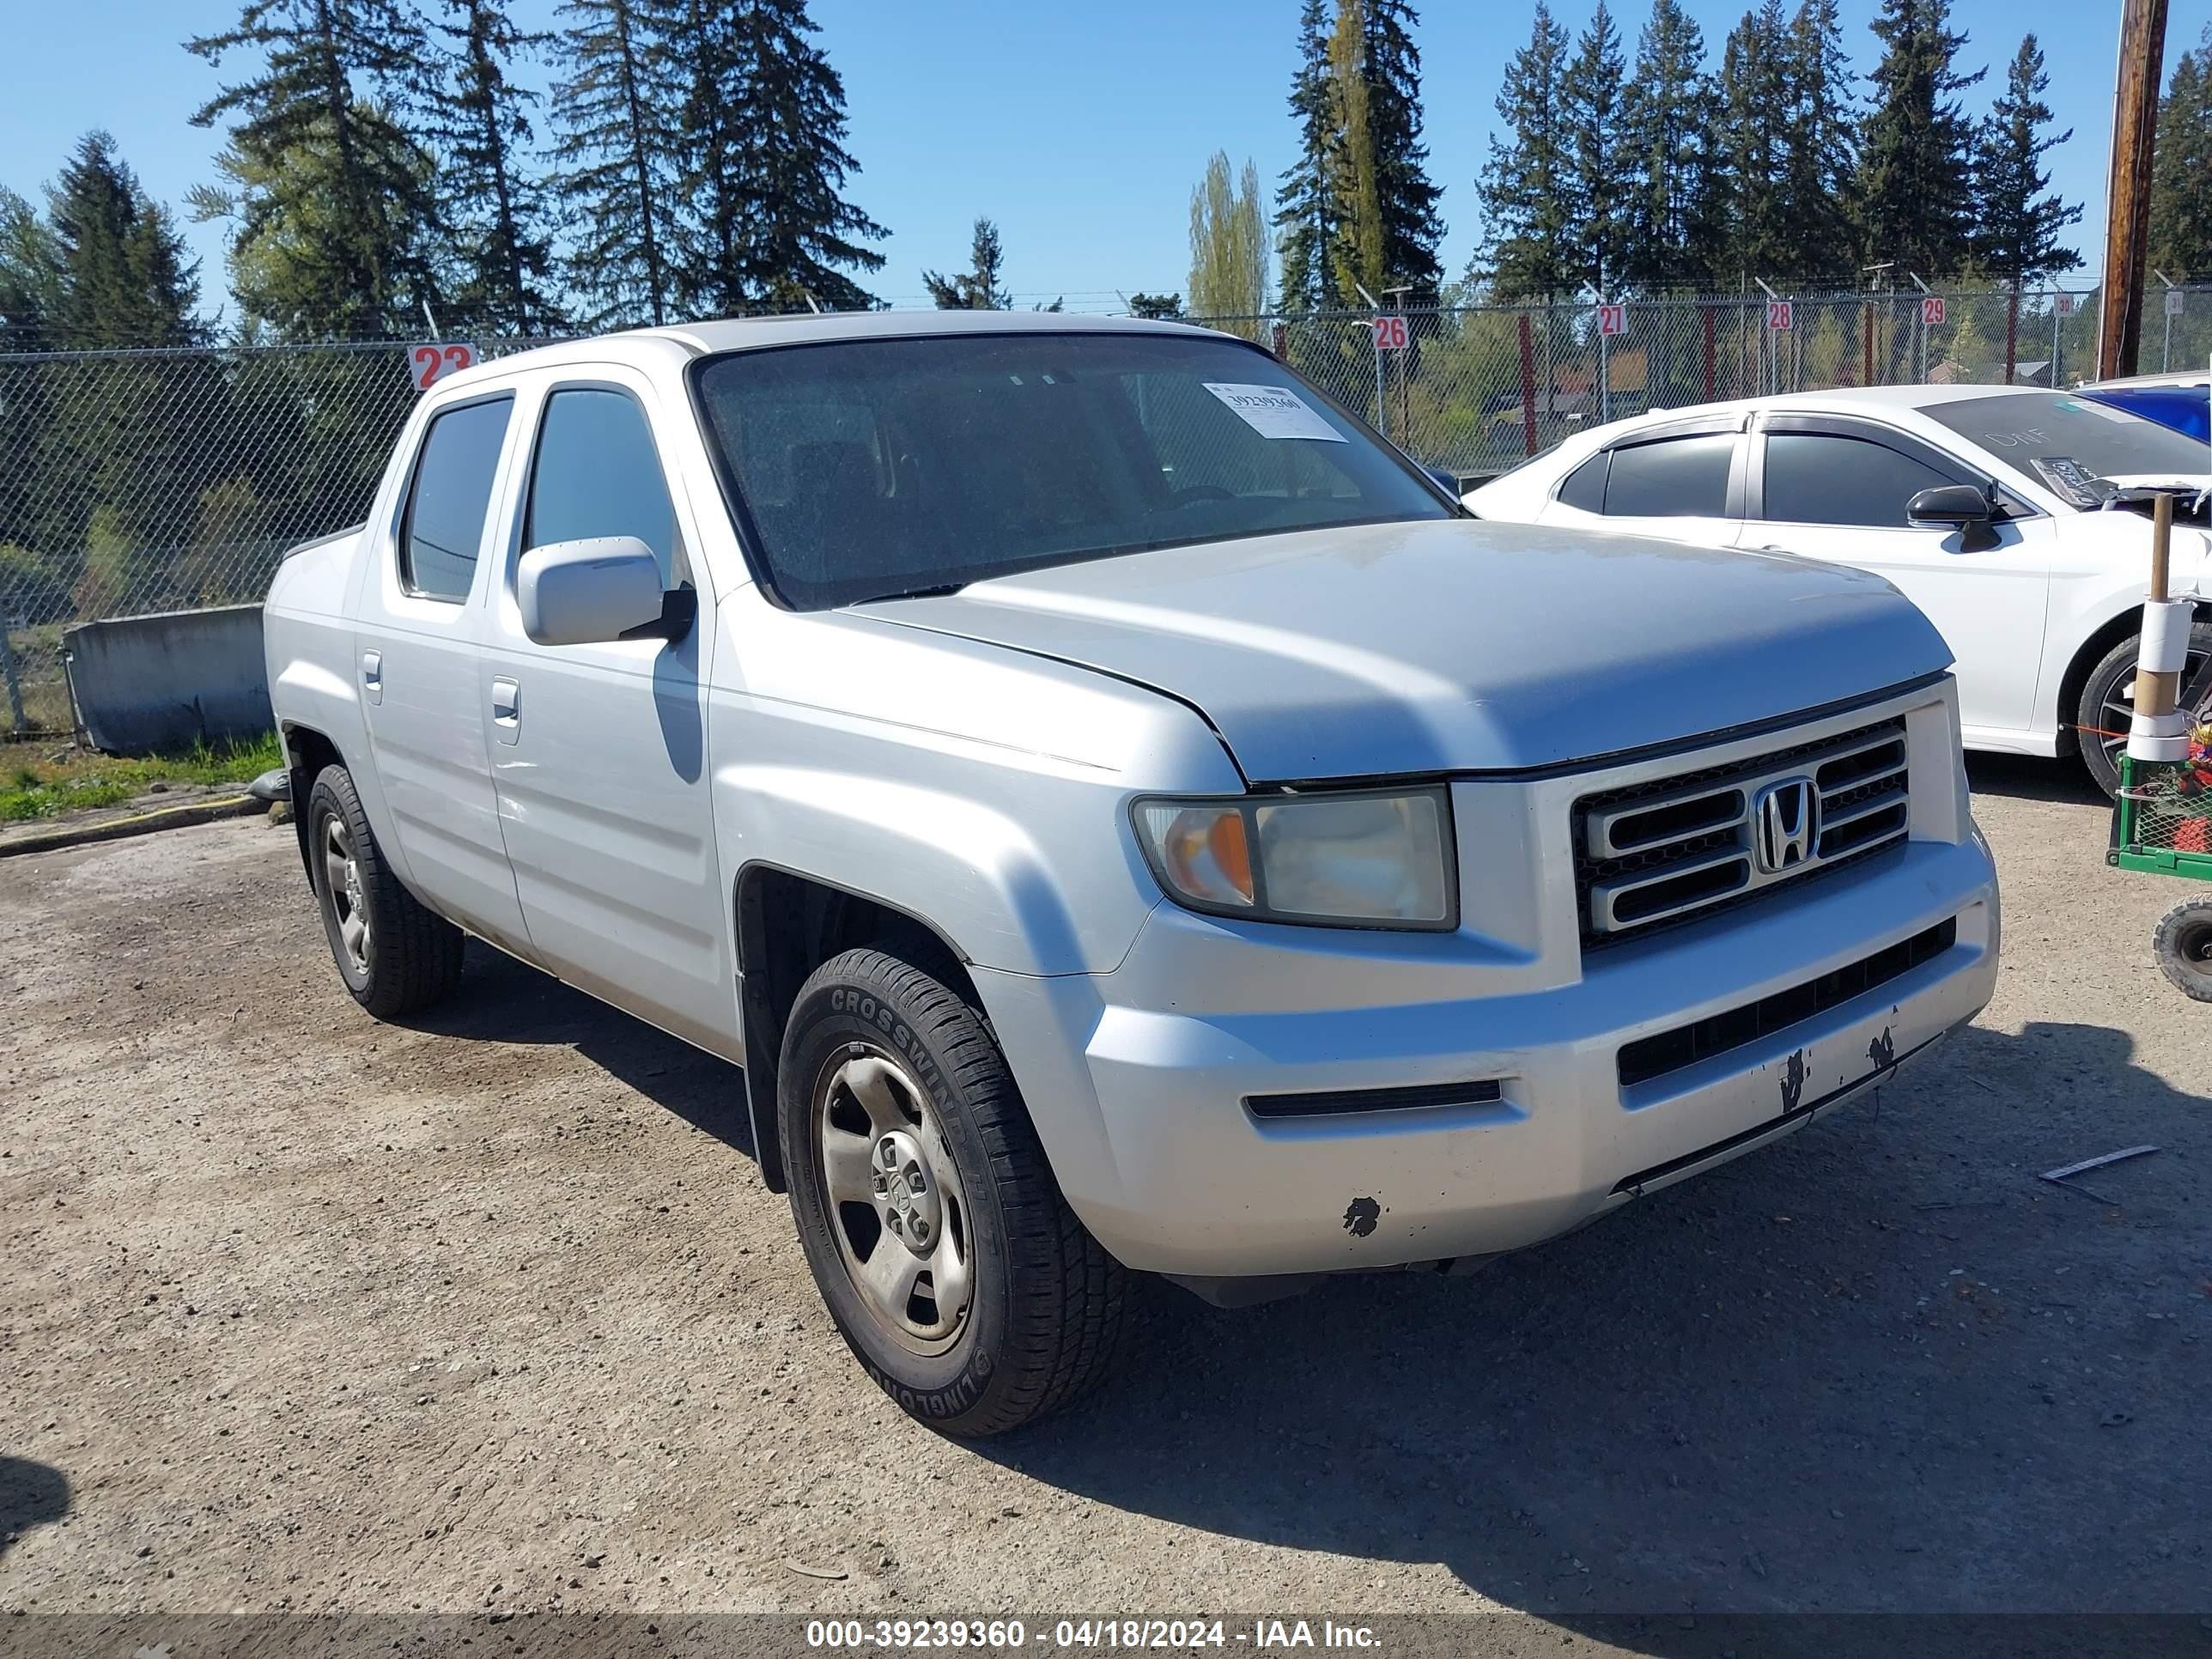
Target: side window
<point>449,499</point>
<point>1815,478</point>
<point>1672,478</point>
<point>597,473</point>
<point>1585,486</point>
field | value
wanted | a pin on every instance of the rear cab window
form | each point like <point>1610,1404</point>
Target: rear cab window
<point>449,499</point>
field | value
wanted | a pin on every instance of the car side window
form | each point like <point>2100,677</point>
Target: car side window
<point>449,499</point>
<point>1672,478</point>
<point>1585,487</point>
<point>597,473</point>
<point>1821,477</point>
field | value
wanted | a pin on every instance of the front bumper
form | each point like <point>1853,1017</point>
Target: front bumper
<point>1140,1079</point>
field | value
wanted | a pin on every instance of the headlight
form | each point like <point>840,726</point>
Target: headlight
<point>1370,860</point>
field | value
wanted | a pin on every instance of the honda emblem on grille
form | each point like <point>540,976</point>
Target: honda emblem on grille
<point>1781,824</point>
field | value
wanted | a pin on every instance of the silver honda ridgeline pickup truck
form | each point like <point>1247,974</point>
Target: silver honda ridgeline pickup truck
<point>1121,815</point>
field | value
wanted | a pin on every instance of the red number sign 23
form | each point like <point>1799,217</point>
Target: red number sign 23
<point>434,363</point>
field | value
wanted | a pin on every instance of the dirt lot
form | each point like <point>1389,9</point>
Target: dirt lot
<point>305,1312</point>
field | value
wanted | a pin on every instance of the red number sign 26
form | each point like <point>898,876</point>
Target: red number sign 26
<point>1390,333</point>
<point>434,363</point>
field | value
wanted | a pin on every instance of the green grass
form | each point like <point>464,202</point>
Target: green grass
<point>43,788</point>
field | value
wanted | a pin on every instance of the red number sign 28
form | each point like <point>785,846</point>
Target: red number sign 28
<point>434,363</point>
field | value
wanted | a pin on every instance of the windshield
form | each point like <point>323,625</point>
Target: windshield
<point>873,468</point>
<point>2067,444</point>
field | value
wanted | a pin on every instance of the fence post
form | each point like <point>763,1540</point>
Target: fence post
<point>1527,387</point>
<point>17,724</point>
<point>2012,333</point>
<point>1707,312</point>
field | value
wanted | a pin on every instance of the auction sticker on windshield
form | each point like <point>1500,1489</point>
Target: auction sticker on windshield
<point>1274,411</point>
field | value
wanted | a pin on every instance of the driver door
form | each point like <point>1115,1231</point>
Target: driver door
<point>598,751</point>
<point>1834,487</point>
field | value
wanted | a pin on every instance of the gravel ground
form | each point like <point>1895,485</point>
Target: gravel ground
<point>304,1312</point>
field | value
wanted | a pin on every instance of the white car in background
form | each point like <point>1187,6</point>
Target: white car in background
<point>2013,517</point>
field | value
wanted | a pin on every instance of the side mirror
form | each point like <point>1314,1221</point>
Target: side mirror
<point>586,593</point>
<point>1963,507</point>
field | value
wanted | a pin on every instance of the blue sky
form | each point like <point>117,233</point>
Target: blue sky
<point>1080,130</point>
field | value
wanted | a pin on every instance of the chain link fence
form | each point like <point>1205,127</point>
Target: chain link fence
<point>143,481</point>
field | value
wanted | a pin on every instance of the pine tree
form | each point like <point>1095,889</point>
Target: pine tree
<point>1305,209</point>
<point>1667,140</point>
<point>1228,245</point>
<point>1406,198</point>
<point>125,277</point>
<point>324,67</point>
<point>1752,95</point>
<point>1819,147</point>
<point>1916,179</point>
<point>2181,173</point>
<point>1598,177</point>
<point>30,278</point>
<point>2018,237</point>
<point>975,288</point>
<point>1166,308</point>
<point>1523,190</point>
<point>617,107</point>
<point>764,163</point>
<point>493,205</point>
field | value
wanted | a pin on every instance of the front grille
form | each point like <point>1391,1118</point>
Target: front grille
<point>1674,847</point>
<point>1685,1045</point>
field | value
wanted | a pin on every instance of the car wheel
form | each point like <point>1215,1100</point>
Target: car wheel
<point>939,1240</point>
<point>2183,940</point>
<point>396,955</point>
<point>2108,703</point>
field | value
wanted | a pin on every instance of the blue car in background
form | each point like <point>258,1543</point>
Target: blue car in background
<point>2182,401</point>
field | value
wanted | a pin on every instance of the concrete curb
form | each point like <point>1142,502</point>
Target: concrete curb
<point>141,823</point>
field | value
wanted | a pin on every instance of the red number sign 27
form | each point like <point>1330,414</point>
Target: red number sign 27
<point>434,363</point>
<point>1612,319</point>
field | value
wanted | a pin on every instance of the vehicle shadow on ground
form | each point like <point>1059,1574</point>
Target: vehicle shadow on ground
<point>508,1002</point>
<point>1878,1366</point>
<point>2026,777</point>
<point>31,1494</point>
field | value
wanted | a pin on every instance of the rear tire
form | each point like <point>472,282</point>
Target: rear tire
<point>2184,941</point>
<point>942,1247</point>
<point>2107,702</point>
<point>396,955</point>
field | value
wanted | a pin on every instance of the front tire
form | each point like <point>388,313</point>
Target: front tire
<point>942,1247</point>
<point>396,956</point>
<point>2184,941</point>
<point>2107,702</point>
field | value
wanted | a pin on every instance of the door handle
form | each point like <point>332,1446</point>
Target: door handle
<point>372,675</point>
<point>507,708</point>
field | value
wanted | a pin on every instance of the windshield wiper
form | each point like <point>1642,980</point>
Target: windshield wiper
<point>914,593</point>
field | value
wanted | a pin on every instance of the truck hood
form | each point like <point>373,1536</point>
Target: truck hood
<point>1452,645</point>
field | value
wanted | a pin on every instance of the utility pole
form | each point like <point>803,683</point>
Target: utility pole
<point>2127,219</point>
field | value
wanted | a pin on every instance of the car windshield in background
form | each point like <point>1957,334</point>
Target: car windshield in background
<point>874,468</point>
<point>2066,443</point>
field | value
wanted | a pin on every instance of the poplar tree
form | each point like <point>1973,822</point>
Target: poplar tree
<point>1527,250</point>
<point>1356,254</point>
<point>1228,244</point>
<point>328,73</point>
<point>2181,171</point>
<point>1597,176</point>
<point>1916,175</point>
<point>617,107</point>
<point>1667,143</point>
<point>493,203</point>
<point>2018,237</point>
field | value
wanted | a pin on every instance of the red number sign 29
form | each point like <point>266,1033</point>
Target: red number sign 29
<point>1931,311</point>
<point>434,363</point>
